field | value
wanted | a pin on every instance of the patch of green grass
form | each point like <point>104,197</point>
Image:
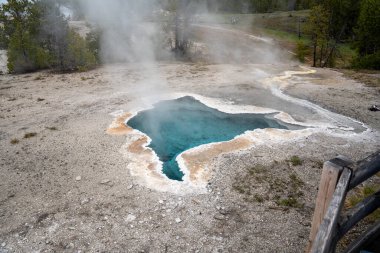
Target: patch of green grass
<point>286,36</point>
<point>295,181</point>
<point>30,135</point>
<point>261,183</point>
<point>14,141</point>
<point>52,128</point>
<point>345,55</point>
<point>359,195</point>
<point>239,189</point>
<point>319,164</point>
<point>289,202</point>
<point>369,190</point>
<point>296,161</point>
<point>258,198</point>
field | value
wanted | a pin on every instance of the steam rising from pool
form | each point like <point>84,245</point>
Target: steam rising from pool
<point>175,126</point>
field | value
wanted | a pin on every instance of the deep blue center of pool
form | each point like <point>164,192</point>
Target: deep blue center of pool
<point>177,125</point>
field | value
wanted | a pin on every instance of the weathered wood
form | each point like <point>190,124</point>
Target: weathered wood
<point>357,213</point>
<point>329,179</point>
<point>366,168</point>
<point>370,235</point>
<point>323,241</point>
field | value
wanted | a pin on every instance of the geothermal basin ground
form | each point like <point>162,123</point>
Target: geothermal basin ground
<point>75,177</point>
<point>71,181</point>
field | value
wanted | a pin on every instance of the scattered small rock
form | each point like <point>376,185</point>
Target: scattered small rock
<point>374,108</point>
<point>105,181</point>
<point>78,178</point>
<point>130,218</point>
<point>84,201</point>
<point>219,217</point>
<point>224,211</point>
<point>130,187</point>
<point>178,220</point>
<point>70,246</point>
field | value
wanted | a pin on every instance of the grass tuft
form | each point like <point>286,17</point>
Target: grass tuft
<point>296,161</point>
<point>260,184</point>
<point>359,194</point>
<point>14,141</point>
<point>29,135</point>
<point>289,202</point>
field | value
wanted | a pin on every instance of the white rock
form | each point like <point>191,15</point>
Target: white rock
<point>130,187</point>
<point>178,220</point>
<point>161,201</point>
<point>105,181</point>
<point>78,178</point>
<point>84,201</point>
<point>130,218</point>
<point>3,244</point>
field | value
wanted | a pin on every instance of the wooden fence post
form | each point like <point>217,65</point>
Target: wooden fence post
<point>329,178</point>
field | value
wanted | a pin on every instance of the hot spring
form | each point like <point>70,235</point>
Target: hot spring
<point>175,126</point>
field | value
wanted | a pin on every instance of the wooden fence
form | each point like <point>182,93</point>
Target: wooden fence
<point>330,224</point>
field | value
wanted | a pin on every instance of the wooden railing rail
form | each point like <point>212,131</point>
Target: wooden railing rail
<point>329,225</point>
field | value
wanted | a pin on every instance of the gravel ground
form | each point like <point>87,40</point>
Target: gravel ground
<point>67,189</point>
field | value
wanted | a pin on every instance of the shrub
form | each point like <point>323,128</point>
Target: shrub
<point>93,43</point>
<point>78,56</point>
<point>301,51</point>
<point>371,61</point>
<point>24,54</point>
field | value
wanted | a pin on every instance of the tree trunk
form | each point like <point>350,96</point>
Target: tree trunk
<point>321,56</point>
<point>334,46</point>
<point>315,52</point>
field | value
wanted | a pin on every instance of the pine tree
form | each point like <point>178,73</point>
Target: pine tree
<point>368,35</point>
<point>318,27</point>
<point>37,36</point>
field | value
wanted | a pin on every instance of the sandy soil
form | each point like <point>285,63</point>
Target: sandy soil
<point>69,188</point>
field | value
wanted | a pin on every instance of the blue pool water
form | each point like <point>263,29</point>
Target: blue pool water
<point>177,125</point>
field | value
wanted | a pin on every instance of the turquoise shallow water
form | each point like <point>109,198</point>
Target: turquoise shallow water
<point>177,125</point>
